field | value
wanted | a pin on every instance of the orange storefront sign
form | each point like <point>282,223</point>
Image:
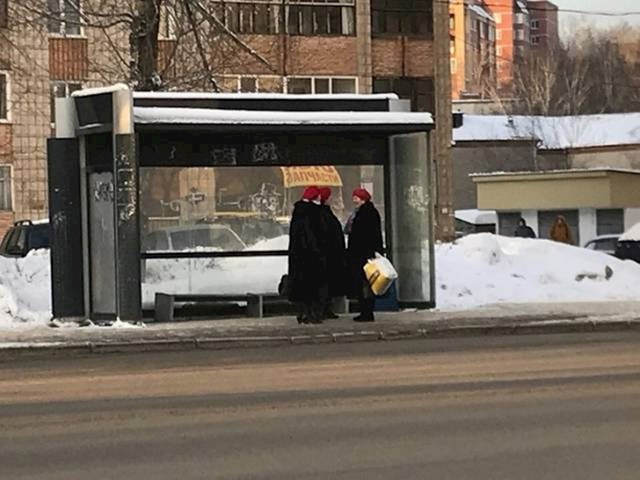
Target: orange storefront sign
<point>305,176</point>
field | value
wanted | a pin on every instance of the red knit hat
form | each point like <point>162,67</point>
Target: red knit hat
<point>362,194</point>
<point>311,193</point>
<point>325,194</point>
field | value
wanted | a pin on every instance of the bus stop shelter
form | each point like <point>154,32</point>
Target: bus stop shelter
<point>106,137</point>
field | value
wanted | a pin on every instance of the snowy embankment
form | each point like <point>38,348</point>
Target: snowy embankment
<point>485,269</point>
<point>474,271</point>
<point>25,286</point>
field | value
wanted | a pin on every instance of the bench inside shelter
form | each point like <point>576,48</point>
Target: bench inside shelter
<point>165,303</point>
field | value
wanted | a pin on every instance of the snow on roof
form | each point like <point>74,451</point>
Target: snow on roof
<point>565,172</point>
<point>631,235</point>
<point>480,11</point>
<point>85,92</point>
<point>203,116</point>
<point>477,217</point>
<point>261,96</point>
<point>553,133</point>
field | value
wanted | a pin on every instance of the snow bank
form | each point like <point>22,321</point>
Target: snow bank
<point>474,271</point>
<point>25,290</point>
<point>485,269</point>
<point>631,235</point>
<point>220,275</point>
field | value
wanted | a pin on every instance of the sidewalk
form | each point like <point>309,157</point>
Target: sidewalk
<point>277,331</point>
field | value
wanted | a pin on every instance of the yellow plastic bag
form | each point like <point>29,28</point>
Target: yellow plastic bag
<point>380,274</point>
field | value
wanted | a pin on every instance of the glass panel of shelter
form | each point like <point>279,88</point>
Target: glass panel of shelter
<point>228,210</point>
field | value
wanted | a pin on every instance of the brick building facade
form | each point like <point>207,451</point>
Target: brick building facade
<point>544,26</point>
<point>310,46</point>
<point>473,50</point>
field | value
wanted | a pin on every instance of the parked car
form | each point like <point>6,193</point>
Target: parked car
<point>603,243</point>
<point>628,245</point>
<point>250,227</point>
<point>25,236</point>
<point>188,237</point>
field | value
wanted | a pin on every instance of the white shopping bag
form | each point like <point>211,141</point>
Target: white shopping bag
<point>380,274</point>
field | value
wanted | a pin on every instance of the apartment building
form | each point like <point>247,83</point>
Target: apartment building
<point>51,48</point>
<point>473,50</point>
<point>544,26</point>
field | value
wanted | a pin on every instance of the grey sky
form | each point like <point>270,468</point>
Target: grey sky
<point>570,20</point>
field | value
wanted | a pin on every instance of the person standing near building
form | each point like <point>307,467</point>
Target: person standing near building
<point>524,230</point>
<point>365,239</point>
<point>335,251</point>
<point>560,232</point>
<point>307,258</point>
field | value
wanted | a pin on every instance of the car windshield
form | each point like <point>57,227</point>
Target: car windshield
<point>605,244</point>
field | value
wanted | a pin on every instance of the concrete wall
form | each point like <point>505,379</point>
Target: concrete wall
<point>631,217</point>
<point>588,225</point>
<point>559,190</point>
<point>621,157</point>
<point>486,157</point>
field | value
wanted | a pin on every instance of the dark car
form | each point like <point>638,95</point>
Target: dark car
<point>628,245</point>
<point>23,237</point>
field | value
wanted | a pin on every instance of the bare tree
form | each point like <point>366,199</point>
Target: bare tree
<point>153,41</point>
<point>589,75</point>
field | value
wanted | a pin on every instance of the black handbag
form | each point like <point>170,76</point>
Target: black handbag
<point>283,286</point>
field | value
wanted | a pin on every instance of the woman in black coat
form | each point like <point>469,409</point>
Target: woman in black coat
<point>307,258</point>
<point>335,252</point>
<point>365,239</point>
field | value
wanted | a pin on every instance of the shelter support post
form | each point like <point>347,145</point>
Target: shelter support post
<point>65,220</point>
<point>411,199</point>
<point>126,214</point>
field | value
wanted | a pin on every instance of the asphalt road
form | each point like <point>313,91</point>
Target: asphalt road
<point>534,407</point>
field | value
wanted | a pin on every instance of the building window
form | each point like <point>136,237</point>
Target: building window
<point>535,24</point>
<point>519,34</point>
<point>454,66</point>
<point>64,17</point>
<point>519,19</point>
<point>167,28</point>
<point>535,40</point>
<point>402,17</point>
<point>4,96</point>
<point>248,84</point>
<point>609,221</point>
<point>452,22</point>
<point>5,188</point>
<point>251,17</point>
<point>321,85</point>
<point>4,13</point>
<point>452,46</point>
<point>321,17</point>
<point>60,90</point>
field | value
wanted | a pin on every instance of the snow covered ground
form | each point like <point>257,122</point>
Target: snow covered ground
<point>486,269</point>
<point>474,271</point>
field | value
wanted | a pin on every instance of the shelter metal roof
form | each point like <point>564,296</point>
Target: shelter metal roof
<point>160,118</point>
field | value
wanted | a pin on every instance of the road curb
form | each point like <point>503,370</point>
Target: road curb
<point>52,349</point>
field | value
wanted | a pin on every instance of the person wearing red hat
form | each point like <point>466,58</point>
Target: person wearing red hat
<point>365,239</point>
<point>335,251</point>
<point>307,258</point>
